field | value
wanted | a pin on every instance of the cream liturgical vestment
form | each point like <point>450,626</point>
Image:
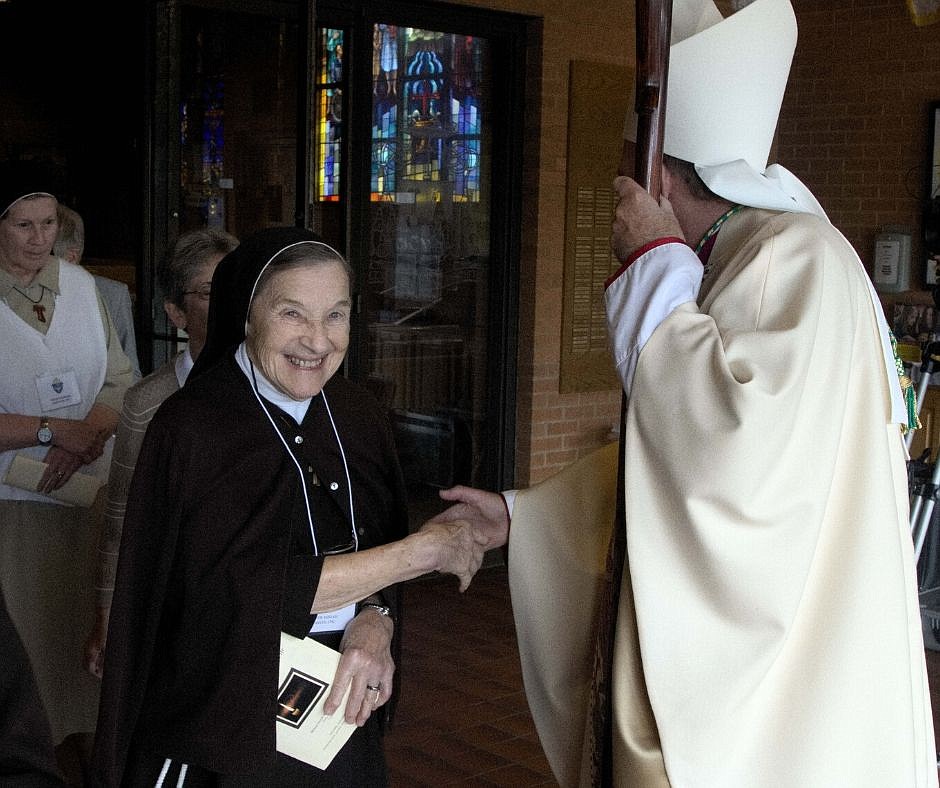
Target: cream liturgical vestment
<point>768,631</point>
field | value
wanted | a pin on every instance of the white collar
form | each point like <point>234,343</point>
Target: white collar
<point>295,408</point>
<point>184,365</point>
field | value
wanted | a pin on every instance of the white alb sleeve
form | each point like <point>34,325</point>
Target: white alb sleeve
<point>643,295</point>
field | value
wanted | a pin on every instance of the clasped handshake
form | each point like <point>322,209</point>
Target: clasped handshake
<point>476,522</point>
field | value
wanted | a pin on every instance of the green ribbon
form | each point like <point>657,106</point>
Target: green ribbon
<point>907,389</point>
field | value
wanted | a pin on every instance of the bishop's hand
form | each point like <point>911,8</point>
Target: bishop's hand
<point>639,219</point>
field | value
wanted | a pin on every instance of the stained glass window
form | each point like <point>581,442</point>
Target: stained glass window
<point>427,113</point>
<point>465,109</point>
<point>328,122</point>
<point>431,80</point>
<point>384,109</point>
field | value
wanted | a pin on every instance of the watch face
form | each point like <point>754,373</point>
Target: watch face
<point>44,435</point>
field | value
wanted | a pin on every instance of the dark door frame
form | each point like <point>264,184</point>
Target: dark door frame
<point>160,147</point>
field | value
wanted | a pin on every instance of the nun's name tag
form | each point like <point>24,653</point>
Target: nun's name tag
<point>58,390</point>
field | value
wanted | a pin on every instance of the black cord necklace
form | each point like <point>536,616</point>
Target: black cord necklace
<point>38,306</point>
<point>42,292</point>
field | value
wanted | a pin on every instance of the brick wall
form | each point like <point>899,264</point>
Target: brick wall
<point>563,426</point>
<point>854,121</point>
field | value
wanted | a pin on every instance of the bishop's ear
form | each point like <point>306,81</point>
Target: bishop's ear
<point>667,181</point>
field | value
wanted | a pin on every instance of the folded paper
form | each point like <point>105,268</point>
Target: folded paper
<point>306,673</point>
<point>25,473</point>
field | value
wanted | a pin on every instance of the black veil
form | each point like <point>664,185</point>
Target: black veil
<point>233,287</point>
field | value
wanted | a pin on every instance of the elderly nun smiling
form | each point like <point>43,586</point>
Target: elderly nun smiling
<point>268,499</point>
<point>298,326</point>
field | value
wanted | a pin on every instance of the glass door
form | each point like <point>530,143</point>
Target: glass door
<point>434,269</point>
<point>425,307</point>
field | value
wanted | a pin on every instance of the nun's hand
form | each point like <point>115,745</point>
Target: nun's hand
<point>366,667</point>
<point>82,439</point>
<point>458,546</point>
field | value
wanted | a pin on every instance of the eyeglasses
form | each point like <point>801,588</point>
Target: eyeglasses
<point>202,292</point>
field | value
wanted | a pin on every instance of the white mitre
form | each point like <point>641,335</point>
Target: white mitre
<point>727,77</point>
<point>726,82</point>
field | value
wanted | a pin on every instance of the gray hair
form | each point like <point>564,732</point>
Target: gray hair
<point>188,255</point>
<point>71,234</point>
<point>685,171</point>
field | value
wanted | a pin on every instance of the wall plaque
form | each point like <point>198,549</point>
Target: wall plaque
<point>597,104</point>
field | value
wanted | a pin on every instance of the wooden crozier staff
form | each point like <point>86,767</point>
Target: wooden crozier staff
<point>653,30</point>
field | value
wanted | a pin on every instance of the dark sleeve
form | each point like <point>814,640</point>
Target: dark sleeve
<point>397,524</point>
<point>27,757</point>
<point>151,528</point>
<point>300,587</point>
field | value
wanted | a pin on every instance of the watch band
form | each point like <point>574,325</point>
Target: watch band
<point>382,610</point>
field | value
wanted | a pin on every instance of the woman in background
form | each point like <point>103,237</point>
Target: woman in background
<point>64,377</point>
<point>185,277</point>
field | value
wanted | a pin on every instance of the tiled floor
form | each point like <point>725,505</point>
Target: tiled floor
<point>463,719</point>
